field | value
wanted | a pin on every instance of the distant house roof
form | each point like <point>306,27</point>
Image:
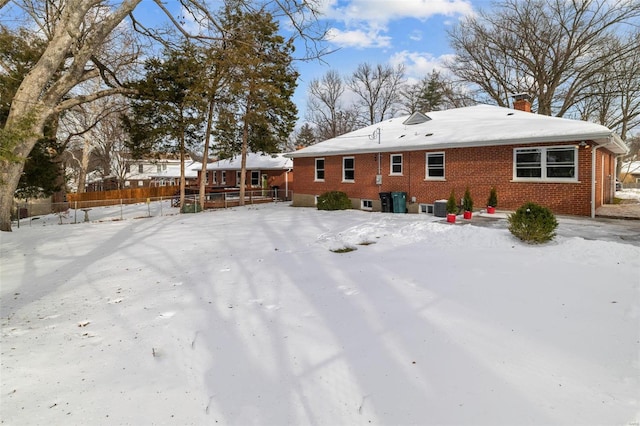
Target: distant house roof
<point>173,171</point>
<point>480,125</point>
<point>254,162</point>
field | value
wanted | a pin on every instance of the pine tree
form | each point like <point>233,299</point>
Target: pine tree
<point>259,113</point>
<point>306,136</point>
<point>168,112</point>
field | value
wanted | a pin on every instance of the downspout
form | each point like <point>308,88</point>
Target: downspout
<point>593,177</point>
<point>286,183</point>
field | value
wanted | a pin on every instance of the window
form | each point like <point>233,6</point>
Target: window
<point>435,165</point>
<point>214,176</point>
<point>319,169</point>
<point>128,168</point>
<point>223,177</point>
<point>348,169</point>
<point>396,164</point>
<point>159,168</point>
<point>140,183</point>
<point>238,174</point>
<point>255,178</point>
<point>366,204</point>
<point>140,168</point>
<point>546,163</point>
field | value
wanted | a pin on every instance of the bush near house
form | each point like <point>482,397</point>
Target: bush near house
<point>334,200</point>
<point>533,223</point>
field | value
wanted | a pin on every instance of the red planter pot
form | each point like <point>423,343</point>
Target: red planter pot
<point>491,210</point>
<point>467,215</point>
<point>451,218</point>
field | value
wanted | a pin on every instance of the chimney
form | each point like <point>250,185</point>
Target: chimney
<point>522,102</point>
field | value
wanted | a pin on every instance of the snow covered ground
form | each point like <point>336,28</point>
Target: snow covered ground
<point>246,316</point>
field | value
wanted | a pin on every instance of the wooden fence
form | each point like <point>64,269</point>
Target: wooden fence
<point>131,195</point>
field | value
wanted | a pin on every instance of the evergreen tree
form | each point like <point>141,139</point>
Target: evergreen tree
<point>167,115</point>
<point>305,136</point>
<point>42,174</point>
<point>258,114</point>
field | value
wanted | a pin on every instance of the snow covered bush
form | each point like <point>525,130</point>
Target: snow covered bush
<point>334,200</point>
<point>533,223</point>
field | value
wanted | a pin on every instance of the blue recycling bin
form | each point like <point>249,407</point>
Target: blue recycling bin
<point>399,202</point>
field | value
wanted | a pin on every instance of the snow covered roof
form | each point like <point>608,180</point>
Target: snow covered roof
<point>254,162</point>
<point>173,170</point>
<point>480,125</point>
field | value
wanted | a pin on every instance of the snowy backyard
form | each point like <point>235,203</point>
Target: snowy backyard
<point>248,316</point>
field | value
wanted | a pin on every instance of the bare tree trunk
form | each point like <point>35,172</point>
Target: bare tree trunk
<point>205,153</point>
<point>243,163</point>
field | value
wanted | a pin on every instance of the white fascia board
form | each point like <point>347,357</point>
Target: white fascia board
<point>600,139</point>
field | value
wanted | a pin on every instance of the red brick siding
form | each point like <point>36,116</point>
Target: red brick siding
<point>478,168</point>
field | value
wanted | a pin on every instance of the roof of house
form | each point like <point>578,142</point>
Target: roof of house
<point>173,171</point>
<point>480,125</point>
<point>254,162</point>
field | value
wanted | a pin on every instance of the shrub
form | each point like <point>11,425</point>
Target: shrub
<point>334,200</point>
<point>492,201</point>
<point>452,206</point>
<point>467,201</point>
<point>533,223</point>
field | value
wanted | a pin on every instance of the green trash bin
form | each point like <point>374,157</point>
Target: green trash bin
<point>399,202</point>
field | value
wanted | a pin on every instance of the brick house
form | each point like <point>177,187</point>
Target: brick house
<point>566,165</point>
<point>264,171</point>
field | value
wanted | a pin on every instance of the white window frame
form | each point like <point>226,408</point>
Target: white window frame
<point>238,176</point>
<point>140,168</point>
<point>545,164</point>
<point>444,166</point>
<point>223,177</point>
<point>315,175</point>
<point>344,170</point>
<point>391,164</point>
<point>366,204</point>
<point>255,174</point>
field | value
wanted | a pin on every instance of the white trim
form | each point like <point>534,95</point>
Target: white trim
<point>315,170</point>
<point>363,207</point>
<point>344,179</point>
<point>543,164</point>
<point>391,164</point>
<point>444,166</point>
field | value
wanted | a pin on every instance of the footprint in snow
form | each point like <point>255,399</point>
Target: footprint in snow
<point>166,315</point>
<point>347,291</point>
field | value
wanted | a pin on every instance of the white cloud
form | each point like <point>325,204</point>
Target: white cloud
<point>416,35</point>
<point>383,11</point>
<point>419,64</point>
<point>358,38</point>
<point>365,21</point>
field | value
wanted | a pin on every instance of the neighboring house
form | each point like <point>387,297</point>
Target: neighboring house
<point>264,171</point>
<point>630,173</point>
<point>168,174</point>
<point>566,165</point>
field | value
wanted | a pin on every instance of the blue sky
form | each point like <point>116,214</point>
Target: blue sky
<point>411,32</point>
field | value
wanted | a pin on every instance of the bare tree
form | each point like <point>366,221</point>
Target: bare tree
<point>378,89</point>
<point>550,49</point>
<point>614,96</point>
<point>77,32</point>
<point>326,109</point>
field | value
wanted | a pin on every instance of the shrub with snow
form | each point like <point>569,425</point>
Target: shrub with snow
<point>533,223</point>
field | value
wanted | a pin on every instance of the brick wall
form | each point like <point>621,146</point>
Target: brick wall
<point>478,168</point>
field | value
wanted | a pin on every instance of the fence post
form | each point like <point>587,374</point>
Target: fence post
<point>160,205</point>
<point>120,208</point>
<point>75,211</point>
